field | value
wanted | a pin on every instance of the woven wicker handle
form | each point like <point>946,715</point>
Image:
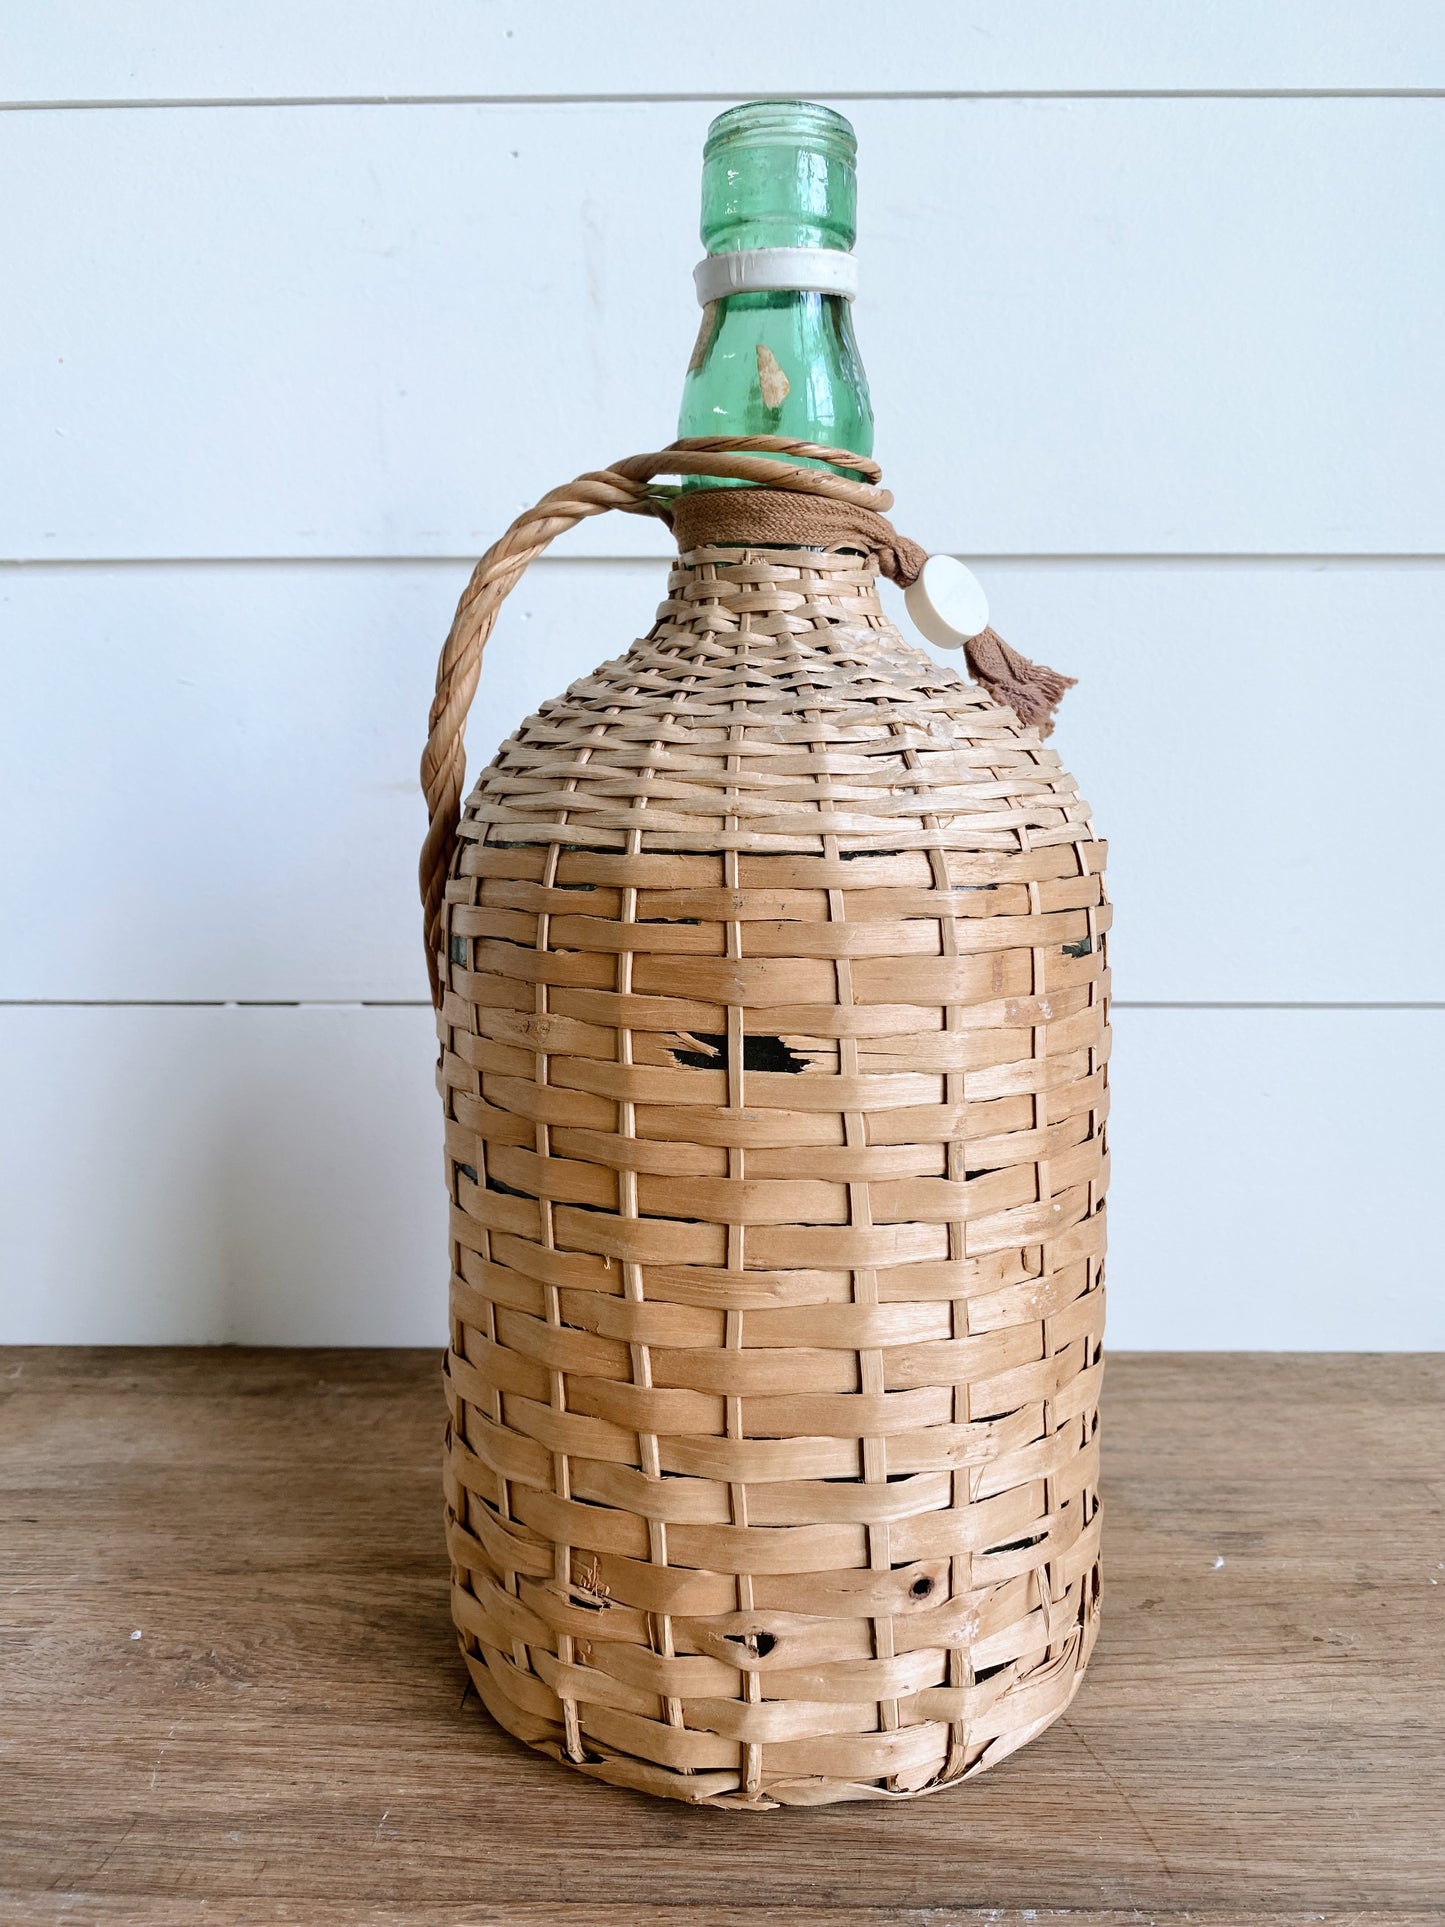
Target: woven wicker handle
<point>623,485</point>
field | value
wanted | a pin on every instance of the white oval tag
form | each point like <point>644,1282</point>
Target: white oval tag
<point>947,605</point>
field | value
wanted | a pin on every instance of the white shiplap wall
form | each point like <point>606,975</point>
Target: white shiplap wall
<point>302,304</point>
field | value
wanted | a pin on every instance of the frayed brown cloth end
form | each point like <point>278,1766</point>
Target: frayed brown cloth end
<point>1031,690</point>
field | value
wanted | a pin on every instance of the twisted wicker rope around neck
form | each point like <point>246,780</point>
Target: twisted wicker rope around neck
<point>787,506</point>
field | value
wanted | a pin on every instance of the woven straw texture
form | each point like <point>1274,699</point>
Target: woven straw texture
<point>774,1031</point>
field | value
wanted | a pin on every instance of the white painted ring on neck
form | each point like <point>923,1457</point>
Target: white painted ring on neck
<point>776,270</point>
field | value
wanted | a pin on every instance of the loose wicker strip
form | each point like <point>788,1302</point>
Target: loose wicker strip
<point>774,1031</point>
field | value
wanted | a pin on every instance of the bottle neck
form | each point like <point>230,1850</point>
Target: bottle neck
<point>779,364</point>
<point>778,174</point>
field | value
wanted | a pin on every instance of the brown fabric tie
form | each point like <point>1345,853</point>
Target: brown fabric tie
<point>769,517</point>
<point>731,517</point>
<point>1031,690</point>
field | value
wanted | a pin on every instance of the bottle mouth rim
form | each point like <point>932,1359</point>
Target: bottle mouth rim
<point>783,123</point>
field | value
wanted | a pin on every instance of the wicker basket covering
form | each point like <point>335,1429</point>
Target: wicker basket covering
<point>773,1056</point>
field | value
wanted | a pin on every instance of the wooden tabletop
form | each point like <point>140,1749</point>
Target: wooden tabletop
<point>229,1691</point>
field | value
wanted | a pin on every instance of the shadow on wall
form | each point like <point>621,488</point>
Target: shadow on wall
<point>246,1175</point>
<point>330,1193</point>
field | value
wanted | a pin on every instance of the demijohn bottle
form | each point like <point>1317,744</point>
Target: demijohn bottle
<point>769,970</point>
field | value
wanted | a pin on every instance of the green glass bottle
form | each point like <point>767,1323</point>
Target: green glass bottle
<point>778,174</point>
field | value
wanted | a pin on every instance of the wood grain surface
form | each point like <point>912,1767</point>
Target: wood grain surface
<point>229,1690</point>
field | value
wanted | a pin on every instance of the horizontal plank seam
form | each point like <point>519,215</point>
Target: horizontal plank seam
<point>1103,558</point>
<point>137,103</point>
<point>422,1003</point>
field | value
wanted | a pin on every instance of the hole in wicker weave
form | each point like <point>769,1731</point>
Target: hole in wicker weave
<point>1018,1545</point>
<point>976,1410</point>
<point>771,1054</point>
<point>987,1672</point>
<point>759,1645</point>
<point>851,856</point>
<point>759,1053</point>
<point>921,1587</point>
<point>467,1171</point>
<point>1083,948</point>
<point>507,1190</point>
<point>711,1054</point>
